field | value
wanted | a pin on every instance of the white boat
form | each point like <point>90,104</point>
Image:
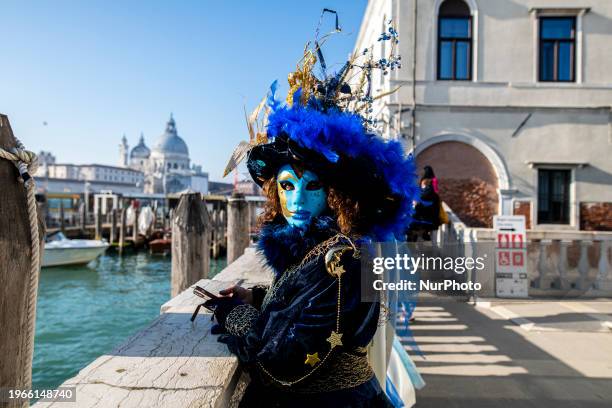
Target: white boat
<point>60,250</point>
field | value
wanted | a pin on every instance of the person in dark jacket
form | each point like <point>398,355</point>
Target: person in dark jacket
<point>426,213</point>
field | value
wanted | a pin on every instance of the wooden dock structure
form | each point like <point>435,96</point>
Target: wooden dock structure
<point>105,222</point>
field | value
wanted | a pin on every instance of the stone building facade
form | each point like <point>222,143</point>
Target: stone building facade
<point>508,100</point>
<point>166,167</point>
<point>64,178</point>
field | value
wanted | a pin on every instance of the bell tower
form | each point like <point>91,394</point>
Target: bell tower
<point>123,152</point>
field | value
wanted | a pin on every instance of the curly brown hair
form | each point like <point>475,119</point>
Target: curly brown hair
<point>345,209</point>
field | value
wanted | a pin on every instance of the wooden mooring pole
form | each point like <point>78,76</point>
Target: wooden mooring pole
<point>237,226</point>
<point>61,215</point>
<point>214,224</point>
<point>18,286</point>
<point>98,221</point>
<point>82,217</point>
<point>113,227</point>
<point>122,222</point>
<point>190,243</point>
<point>135,225</point>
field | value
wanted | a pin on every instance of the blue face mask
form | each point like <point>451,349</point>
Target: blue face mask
<point>301,198</point>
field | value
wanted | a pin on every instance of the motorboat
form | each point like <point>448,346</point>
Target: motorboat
<point>161,246</point>
<point>60,250</point>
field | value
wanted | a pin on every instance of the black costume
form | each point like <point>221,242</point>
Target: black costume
<point>307,334</point>
<point>304,338</point>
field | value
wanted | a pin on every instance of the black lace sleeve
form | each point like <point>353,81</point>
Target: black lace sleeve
<point>259,292</point>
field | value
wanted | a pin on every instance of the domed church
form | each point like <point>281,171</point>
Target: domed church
<point>166,167</point>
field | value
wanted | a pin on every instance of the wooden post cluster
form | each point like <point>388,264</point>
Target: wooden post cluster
<point>237,226</point>
<point>190,242</point>
<point>16,341</point>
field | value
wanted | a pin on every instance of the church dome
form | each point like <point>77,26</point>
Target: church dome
<point>140,151</point>
<point>170,141</point>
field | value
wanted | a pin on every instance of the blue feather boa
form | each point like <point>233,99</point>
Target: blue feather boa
<point>284,245</point>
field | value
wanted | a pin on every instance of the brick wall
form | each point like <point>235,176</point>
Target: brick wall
<point>473,200</point>
<point>596,216</point>
<point>523,208</point>
<point>467,181</point>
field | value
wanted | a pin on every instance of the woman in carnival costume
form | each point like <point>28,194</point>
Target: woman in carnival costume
<point>331,185</point>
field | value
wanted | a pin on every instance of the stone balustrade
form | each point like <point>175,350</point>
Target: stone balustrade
<point>559,262</point>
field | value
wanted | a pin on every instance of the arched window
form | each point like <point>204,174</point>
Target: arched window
<point>454,41</point>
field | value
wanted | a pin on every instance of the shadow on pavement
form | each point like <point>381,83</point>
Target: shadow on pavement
<point>474,360</point>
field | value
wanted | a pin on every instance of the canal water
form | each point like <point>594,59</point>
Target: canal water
<point>86,311</point>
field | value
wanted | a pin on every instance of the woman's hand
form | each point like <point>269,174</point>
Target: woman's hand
<point>240,293</point>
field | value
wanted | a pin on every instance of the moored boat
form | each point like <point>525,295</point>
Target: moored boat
<point>160,246</point>
<point>60,250</point>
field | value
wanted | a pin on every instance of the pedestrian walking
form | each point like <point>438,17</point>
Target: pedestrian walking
<point>426,213</point>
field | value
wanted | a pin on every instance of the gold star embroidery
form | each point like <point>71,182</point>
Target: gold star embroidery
<point>312,359</point>
<point>335,339</point>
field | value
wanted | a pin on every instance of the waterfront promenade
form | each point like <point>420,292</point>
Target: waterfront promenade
<point>502,353</point>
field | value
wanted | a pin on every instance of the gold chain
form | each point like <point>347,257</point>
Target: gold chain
<point>339,304</point>
<point>316,249</point>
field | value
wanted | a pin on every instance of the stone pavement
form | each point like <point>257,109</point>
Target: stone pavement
<point>513,354</point>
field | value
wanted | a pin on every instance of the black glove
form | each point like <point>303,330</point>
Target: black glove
<point>217,329</point>
<point>221,307</point>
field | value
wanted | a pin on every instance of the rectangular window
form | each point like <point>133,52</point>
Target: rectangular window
<point>553,196</point>
<point>557,49</point>
<point>455,48</point>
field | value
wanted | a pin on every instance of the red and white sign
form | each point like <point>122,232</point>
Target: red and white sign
<point>510,256</point>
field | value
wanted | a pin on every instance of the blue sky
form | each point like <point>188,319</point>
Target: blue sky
<point>96,70</point>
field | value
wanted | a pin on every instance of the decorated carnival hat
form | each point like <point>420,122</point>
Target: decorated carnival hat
<point>326,126</point>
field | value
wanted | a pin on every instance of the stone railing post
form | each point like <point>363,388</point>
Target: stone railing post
<point>584,266</point>
<point>561,267</point>
<point>544,279</point>
<point>604,273</point>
